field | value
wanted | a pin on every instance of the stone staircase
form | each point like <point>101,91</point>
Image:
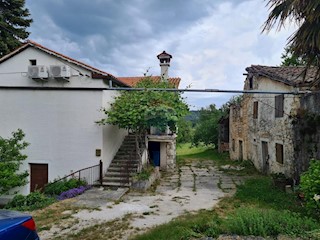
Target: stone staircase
<point>124,165</point>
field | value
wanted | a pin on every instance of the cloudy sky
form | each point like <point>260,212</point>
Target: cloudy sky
<point>212,41</point>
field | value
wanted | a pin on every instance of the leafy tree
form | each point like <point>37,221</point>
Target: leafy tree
<point>305,42</point>
<point>11,159</point>
<point>234,100</point>
<point>14,19</point>
<point>206,130</point>
<point>139,110</point>
<point>185,131</point>
<point>289,59</point>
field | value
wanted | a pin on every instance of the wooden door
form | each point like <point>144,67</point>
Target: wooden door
<point>38,176</point>
<point>265,157</point>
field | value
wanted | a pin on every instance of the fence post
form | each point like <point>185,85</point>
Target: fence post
<point>101,172</point>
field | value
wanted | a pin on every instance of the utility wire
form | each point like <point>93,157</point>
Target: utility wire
<point>208,90</point>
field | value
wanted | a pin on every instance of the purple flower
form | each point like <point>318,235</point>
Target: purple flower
<point>73,192</point>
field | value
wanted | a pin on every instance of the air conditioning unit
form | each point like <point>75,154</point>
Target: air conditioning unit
<point>60,71</point>
<point>38,72</point>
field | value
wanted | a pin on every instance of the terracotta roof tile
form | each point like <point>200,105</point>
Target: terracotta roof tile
<point>132,81</point>
<point>292,75</point>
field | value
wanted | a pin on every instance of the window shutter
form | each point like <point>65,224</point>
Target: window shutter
<point>279,102</point>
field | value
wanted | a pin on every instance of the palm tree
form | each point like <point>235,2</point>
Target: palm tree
<point>305,42</point>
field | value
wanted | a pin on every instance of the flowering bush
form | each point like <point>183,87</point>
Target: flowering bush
<point>56,188</point>
<point>73,192</point>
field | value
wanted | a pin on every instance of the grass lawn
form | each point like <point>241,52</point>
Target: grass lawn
<point>258,208</point>
<point>187,153</point>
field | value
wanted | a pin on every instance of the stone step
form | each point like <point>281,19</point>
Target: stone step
<point>121,169</point>
<point>126,153</point>
<point>127,148</point>
<point>123,165</point>
<point>116,179</point>
<point>115,184</point>
<point>119,174</point>
<point>124,161</point>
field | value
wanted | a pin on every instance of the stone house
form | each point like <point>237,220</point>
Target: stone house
<point>263,127</point>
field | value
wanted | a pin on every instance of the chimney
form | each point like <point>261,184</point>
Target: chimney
<point>164,59</point>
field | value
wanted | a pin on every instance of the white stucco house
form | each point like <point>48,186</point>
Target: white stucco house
<point>56,101</point>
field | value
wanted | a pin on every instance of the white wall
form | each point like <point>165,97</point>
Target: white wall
<point>112,135</point>
<point>59,125</point>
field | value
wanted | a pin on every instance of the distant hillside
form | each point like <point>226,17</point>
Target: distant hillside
<point>192,116</point>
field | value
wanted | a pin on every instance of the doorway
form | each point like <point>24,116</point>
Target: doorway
<point>154,153</point>
<point>38,176</point>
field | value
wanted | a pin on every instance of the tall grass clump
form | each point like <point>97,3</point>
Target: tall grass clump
<point>269,222</point>
<point>260,191</point>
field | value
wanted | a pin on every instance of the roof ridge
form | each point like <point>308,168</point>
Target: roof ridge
<point>291,75</point>
<point>66,57</point>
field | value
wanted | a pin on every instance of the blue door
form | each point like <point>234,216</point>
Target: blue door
<point>156,158</point>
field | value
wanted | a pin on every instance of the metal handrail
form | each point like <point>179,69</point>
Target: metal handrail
<point>100,173</point>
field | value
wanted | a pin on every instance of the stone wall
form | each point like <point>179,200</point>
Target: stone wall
<point>238,130</point>
<point>255,129</point>
<point>306,133</point>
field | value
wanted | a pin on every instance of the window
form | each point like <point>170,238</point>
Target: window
<point>255,110</point>
<point>250,82</point>
<point>279,106</point>
<point>33,62</point>
<point>279,153</point>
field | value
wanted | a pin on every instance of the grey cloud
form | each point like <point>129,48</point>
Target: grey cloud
<point>212,41</point>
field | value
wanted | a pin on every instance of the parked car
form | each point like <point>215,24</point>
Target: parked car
<point>17,226</point>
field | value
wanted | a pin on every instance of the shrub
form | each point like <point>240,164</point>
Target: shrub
<point>310,186</point>
<point>269,222</point>
<point>11,158</point>
<point>56,188</point>
<point>73,192</point>
<point>145,173</point>
<point>34,200</point>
